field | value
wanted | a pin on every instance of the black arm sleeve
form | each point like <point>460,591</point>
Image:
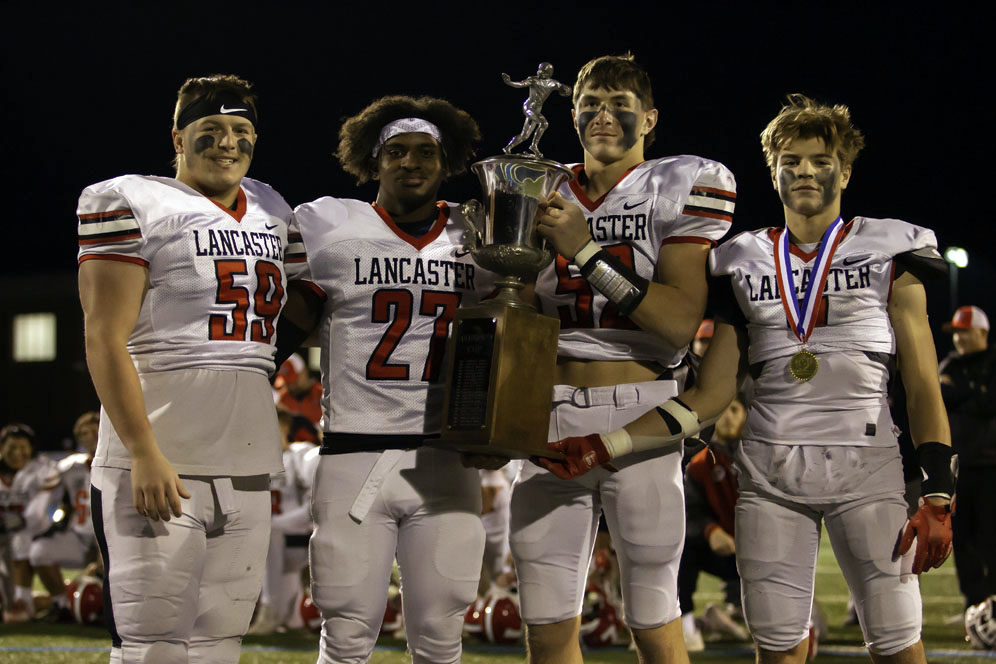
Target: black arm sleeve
<point>307,307</point>
<point>723,302</point>
<point>925,264</point>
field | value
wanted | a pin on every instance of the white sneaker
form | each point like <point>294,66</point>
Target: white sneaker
<point>267,621</point>
<point>715,619</point>
<point>693,639</point>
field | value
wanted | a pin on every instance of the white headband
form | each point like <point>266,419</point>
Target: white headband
<point>407,126</point>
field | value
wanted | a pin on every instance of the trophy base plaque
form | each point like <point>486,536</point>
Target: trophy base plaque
<point>500,363</point>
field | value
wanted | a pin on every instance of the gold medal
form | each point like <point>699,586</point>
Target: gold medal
<point>803,365</point>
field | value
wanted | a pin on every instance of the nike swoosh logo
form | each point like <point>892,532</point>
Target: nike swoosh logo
<point>634,205</point>
<point>269,227</point>
<point>851,260</point>
<point>232,110</point>
<point>461,254</point>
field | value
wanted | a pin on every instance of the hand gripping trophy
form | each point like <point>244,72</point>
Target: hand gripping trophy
<point>540,86</point>
<point>501,356</point>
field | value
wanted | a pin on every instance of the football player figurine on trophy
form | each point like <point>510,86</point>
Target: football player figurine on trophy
<point>501,357</point>
<point>540,86</point>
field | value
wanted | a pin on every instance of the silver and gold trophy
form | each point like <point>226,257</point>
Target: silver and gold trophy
<point>501,356</point>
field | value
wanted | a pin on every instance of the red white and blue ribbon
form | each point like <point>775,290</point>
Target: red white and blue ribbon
<point>802,318</point>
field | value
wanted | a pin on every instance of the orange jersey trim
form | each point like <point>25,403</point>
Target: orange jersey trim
<point>315,287</point>
<point>113,257</point>
<point>711,215</point>
<point>419,243</point>
<point>713,190</point>
<point>688,239</point>
<point>240,206</point>
<point>115,239</point>
<point>580,194</point>
<point>108,213</point>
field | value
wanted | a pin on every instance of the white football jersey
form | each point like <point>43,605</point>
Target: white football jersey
<point>74,472</point>
<point>216,276</point>
<point>39,475</point>
<point>291,489</point>
<point>217,283</point>
<point>390,300</point>
<point>845,402</point>
<point>684,199</point>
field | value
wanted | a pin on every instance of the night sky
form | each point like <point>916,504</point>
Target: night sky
<point>89,93</point>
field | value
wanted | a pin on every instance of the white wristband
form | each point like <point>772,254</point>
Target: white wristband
<point>586,252</point>
<point>687,419</point>
<point>617,443</point>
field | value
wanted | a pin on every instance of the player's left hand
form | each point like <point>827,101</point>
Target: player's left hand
<point>931,526</point>
<point>581,454</point>
<point>564,225</point>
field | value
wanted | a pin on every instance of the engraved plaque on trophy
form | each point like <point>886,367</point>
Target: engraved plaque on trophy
<point>502,353</point>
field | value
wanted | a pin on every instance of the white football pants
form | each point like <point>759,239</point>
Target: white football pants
<point>554,521</point>
<point>182,590</point>
<point>427,513</point>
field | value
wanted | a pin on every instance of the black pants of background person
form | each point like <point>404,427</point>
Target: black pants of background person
<point>698,557</point>
<point>974,524</point>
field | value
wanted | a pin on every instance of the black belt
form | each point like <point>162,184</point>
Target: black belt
<point>347,443</point>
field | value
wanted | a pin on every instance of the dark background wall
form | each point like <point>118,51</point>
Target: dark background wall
<point>88,93</point>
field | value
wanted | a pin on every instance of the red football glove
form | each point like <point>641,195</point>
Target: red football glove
<point>931,525</point>
<point>581,454</point>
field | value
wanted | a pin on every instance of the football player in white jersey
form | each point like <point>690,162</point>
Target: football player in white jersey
<point>182,281</point>
<point>394,272</point>
<point>819,445</point>
<point>629,289</point>
<point>290,529</point>
<point>25,483</point>
<point>69,542</point>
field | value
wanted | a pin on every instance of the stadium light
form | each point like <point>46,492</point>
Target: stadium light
<point>956,256</point>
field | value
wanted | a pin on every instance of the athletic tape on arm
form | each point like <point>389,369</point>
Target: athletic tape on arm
<point>616,281</point>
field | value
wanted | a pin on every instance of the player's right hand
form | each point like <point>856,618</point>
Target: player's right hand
<point>156,488</point>
<point>564,225</point>
<point>581,454</point>
<point>721,543</point>
<point>931,527</point>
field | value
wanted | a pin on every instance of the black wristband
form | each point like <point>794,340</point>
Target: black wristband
<point>935,462</point>
<point>289,339</point>
<point>616,281</point>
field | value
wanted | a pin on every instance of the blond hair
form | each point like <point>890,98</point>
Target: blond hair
<point>803,117</point>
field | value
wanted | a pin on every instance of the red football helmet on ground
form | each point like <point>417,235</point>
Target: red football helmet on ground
<point>473,620</point>
<point>310,615</point>
<point>86,599</point>
<point>501,620</point>
<point>601,625</point>
<point>393,619</point>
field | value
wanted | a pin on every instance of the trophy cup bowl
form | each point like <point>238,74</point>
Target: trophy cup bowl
<point>505,229</point>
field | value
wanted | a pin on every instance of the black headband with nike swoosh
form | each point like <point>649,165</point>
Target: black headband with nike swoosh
<point>219,103</point>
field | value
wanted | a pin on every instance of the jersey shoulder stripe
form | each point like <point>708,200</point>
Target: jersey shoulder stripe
<point>713,193</point>
<point>295,249</point>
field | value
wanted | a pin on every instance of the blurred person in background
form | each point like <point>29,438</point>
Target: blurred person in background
<point>968,385</point>
<point>21,479</point>
<point>710,499</point>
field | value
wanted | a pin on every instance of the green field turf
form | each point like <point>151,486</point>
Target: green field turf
<point>38,644</point>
